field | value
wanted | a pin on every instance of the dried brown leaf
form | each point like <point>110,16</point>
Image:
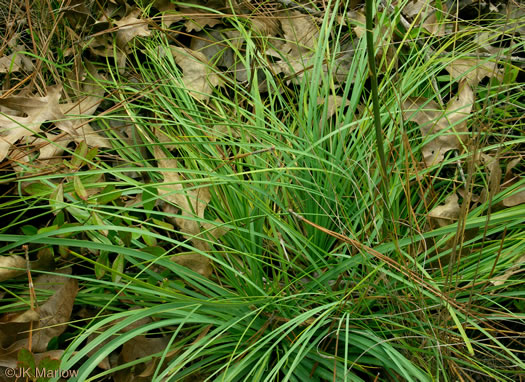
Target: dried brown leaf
<point>45,261</point>
<point>300,32</point>
<point>383,40</point>
<point>168,12</point>
<point>10,360</point>
<point>38,111</point>
<point>514,268</point>
<point>518,197</point>
<point>447,213</point>
<point>75,113</point>
<point>198,77</point>
<point>447,124</point>
<point>49,320</point>
<point>473,70</point>
<point>130,27</point>
<point>198,23</point>
<point>333,103</point>
<point>15,62</point>
<point>7,262</point>
<point>56,311</point>
<point>191,203</point>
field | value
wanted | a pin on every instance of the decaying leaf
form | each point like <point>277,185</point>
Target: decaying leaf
<point>424,10</point>
<point>518,196</point>
<point>102,45</point>
<point>383,40</point>
<point>514,268</point>
<point>15,62</point>
<point>75,112</point>
<point>493,171</point>
<point>130,27</point>
<point>198,77</point>
<point>197,23</point>
<point>136,348</point>
<point>473,70</point>
<point>49,320</point>
<point>191,203</point>
<point>7,262</point>
<point>301,34</point>
<point>38,111</point>
<point>333,103</point>
<point>197,18</point>
<point>45,261</point>
<point>449,125</point>
<point>168,12</point>
<point>447,213</point>
<point>11,360</point>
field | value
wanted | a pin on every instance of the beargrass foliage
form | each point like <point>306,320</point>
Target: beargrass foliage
<point>324,271</point>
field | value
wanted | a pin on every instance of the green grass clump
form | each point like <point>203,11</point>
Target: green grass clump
<point>325,261</point>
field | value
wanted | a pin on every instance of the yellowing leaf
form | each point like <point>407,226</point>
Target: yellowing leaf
<point>446,124</point>
<point>79,188</point>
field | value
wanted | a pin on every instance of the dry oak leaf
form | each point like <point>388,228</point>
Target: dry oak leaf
<point>473,70</point>
<point>423,10</point>
<point>514,268</point>
<point>198,76</point>
<point>45,261</point>
<point>333,103</point>
<point>7,262</point>
<point>169,15</point>
<point>510,179</point>
<point>38,111</point>
<point>197,23</point>
<point>198,17</point>
<point>130,27</point>
<point>447,213</point>
<point>85,107</point>
<point>383,37</point>
<point>301,35</point>
<point>49,320</point>
<point>448,128</point>
<point>14,62</point>
<point>191,204</point>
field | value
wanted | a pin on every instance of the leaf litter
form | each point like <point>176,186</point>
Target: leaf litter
<point>447,129</point>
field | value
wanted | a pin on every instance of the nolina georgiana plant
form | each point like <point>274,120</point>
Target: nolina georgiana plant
<point>327,268</point>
